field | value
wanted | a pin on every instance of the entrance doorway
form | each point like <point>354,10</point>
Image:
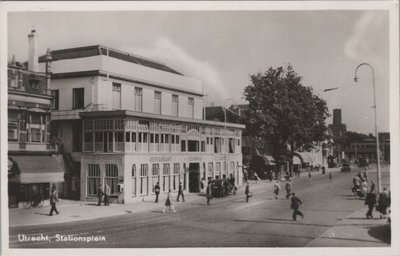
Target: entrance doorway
<point>194,177</point>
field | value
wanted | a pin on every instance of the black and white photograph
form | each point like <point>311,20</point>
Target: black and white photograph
<point>200,128</point>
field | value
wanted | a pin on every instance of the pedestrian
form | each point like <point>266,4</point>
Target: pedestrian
<point>157,191</point>
<point>330,176</point>
<point>99,196</point>
<point>209,194</point>
<point>365,176</point>
<point>359,175</point>
<point>370,200</point>
<point>180,192</point>
<point>53,201</point>
<point>309,176</point>
<point>277,188</point>
<point>247,192</point>
<point>356,182</point>
<point>364,187</point>
<point>372,186</point>
<point>383,203</point>
<point>168,203</point>
<point>288,188</point>
<point>107,192</point>
<point>295,204</point>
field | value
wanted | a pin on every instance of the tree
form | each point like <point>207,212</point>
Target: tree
<point>283,112</point>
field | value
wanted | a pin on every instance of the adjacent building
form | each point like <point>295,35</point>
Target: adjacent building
<point>33,162</point>
<point>130,122</point>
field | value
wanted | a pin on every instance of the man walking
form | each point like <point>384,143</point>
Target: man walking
<point>277,188</point>
<point>99,195</point>
<point>370,200</point>
<point>53,201</point>
<point>288,188</point>
<point>209,194</point>
<point>295,206</point>
<point>247,192</point>
<point>180,192</point>
<point>330,176</point>
<point>107,192</point>
<point>157,191</point>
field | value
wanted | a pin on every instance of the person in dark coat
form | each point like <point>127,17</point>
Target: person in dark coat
<point>372,186</point>
<point>295,204</point>
<point>383,203</point>
<point>99,195</point>
<point>180,192</point>
<point>53,202</point>
<point>370,200</point>
<point>209,194</point>
<point>168,204</point>
<point>288,188</point>
<point>330,176</point>
<point>247,192</point>
<point>157,191</point>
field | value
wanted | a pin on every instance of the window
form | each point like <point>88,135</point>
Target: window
<point>155,175</point>
<point>191,107</point>
<point>143,179</point>
<point>175,105</point>
<point>78,98</point>
<point>34,84</point>
<point>36,135</point>
<point>157,102</point>
<point>88,141</point>
<point>176,178</point>
<point>203,146</point>
<point>12,131</point>
<point>116,95</point>
<point>210,170</point>
<point>133,179</point>
<point>138,99</point>
<point>93,179</point>
<point>55,100</point>
<point>166,178</point>
<point>111,178</point>
<point>183,145</point>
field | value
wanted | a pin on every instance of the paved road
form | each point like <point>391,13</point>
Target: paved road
<point>263,222</point>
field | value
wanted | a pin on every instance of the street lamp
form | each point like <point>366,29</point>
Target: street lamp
<point>378,174</point>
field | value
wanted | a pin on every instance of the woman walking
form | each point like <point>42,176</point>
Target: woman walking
<point>168,203</point>
<point>370,200</point>
<point>383,203</point>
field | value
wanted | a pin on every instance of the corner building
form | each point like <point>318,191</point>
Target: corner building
<point>132,122</point>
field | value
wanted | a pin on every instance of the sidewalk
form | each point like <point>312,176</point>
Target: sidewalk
<point>356,229</point>
<point>81,210</point>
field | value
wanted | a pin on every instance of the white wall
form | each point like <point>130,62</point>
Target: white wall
<point>198,108</point>
<point>166,103</point>
<point>73,65</point>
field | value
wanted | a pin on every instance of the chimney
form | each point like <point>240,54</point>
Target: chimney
<point>33,62</point>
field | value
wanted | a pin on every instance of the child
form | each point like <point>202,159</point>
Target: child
<point>168,203</point>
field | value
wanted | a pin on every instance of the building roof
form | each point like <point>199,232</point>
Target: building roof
<point>95,50</point>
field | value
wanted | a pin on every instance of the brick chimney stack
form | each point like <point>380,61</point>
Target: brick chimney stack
<point>33,59</point>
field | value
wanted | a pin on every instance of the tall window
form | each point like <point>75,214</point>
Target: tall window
<point>138,99</point>
<point>134,179</point>
<point>111,178</point>
<point>78,98</point>
<point>191,107</point>
<point>166,177</point>
<point>36,135</point>
<point>155,175</point>
<point>143,179</point>
<point>93,179</point>
<point>157,102</point>
<point>116,94</point>
<point>175,105</point>
<point>176,178</point>
<point>55,100</point>
<point>210,170</point>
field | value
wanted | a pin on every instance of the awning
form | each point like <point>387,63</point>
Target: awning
<point>296,160</point>
<point>37,169</point>
<point>269,160</point>
<point>37,110</point>
<point>307,157</point>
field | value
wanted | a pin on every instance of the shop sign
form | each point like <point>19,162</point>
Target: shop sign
<point>193,158</point>
<point>160,159</point>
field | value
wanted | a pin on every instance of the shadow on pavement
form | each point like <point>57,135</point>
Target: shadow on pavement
<point>382,233</point>
<point>41,213</point>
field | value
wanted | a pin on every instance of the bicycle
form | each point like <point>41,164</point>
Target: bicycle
<point>35,202</point>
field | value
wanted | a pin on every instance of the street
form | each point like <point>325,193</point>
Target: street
<point>228,222</point>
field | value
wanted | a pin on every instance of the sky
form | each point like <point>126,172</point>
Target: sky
<point>223,48</point>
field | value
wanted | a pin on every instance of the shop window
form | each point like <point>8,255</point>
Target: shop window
<point>12,131</point>
<point>133,179</point>
<point>93,179</point>
<point>143,179</point>
<point>183,145</point>
<point>176,177</point>
<point>166,178</point>
<point>155,175</point>
<point>36,135</point>
<point>111,178</point>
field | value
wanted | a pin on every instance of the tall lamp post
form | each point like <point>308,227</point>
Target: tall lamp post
<point>378,173</point>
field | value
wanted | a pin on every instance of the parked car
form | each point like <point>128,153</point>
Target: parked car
<point>345,167</point>
<point>362,162</point>
<point>221,188</point>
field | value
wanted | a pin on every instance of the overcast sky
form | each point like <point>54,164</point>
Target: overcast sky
<point>222,48</point>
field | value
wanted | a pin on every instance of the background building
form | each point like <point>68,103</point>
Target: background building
<point>33,163</point>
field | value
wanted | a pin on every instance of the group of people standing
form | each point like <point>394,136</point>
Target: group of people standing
<point>103,195</point>
<point>380,205</point>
